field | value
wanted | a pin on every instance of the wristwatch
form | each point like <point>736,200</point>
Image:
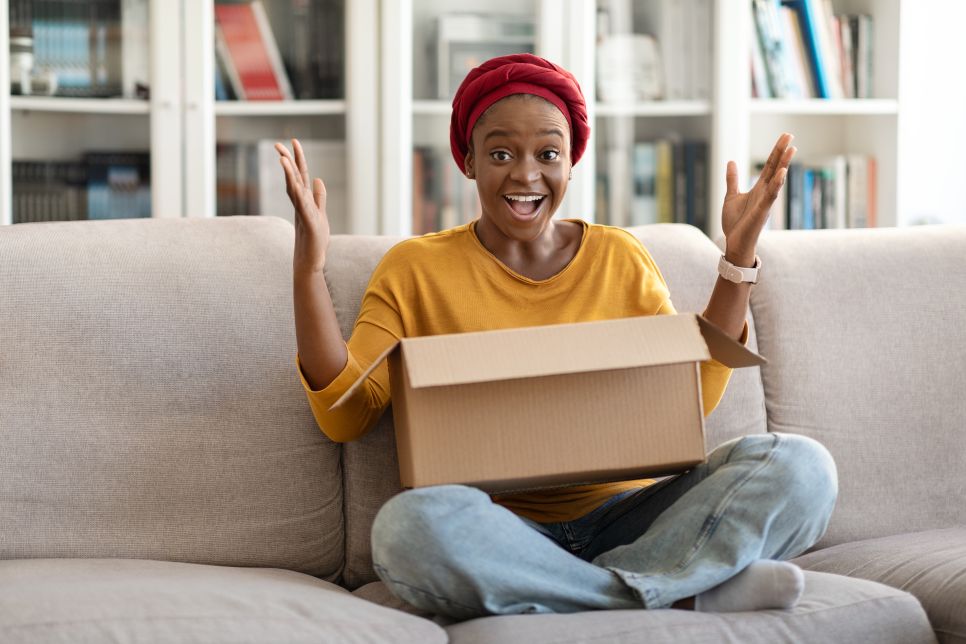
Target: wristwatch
<point>739,274</point>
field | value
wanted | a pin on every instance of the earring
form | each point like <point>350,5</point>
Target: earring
<point>571,174</point>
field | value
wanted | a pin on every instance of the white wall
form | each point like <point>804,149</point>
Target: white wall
<point>932,126</point>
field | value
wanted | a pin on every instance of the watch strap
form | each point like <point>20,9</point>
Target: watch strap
<point>739,274</point>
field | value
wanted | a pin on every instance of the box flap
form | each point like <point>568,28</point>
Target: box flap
<point>365,374</point>
<point>527,352</point>
<point>726,349</point>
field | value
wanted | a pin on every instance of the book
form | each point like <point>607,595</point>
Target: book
<point>644,199</point>
<point>811,29</point>
<point>250,53</point>
<point>664,182</point>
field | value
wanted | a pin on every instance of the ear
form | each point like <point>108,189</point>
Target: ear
<point>468,164</point>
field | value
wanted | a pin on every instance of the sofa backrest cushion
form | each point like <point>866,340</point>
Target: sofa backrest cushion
<point>687,260</point>
<point>865,333</point>
<point>149,402</point>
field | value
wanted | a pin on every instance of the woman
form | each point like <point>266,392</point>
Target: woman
<point>711,539</point>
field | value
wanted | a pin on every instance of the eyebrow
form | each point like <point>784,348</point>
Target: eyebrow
<point>544,132</point>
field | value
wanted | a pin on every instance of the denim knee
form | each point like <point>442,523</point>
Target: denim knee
<point>808,477</point>
<point>412,518</point>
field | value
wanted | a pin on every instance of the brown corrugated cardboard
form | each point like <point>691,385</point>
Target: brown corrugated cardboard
<point>554,405</point>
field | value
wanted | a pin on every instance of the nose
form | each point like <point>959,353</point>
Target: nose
<point>525,170</point>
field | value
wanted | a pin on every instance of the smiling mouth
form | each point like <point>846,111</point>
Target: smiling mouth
<point>524,205</point>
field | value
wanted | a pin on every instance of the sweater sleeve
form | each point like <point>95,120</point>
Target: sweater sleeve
<point>378,326</point>
<point>356,416</point>
<point>714,375</point>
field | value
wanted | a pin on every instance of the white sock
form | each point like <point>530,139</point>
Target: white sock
<point>764,584</point>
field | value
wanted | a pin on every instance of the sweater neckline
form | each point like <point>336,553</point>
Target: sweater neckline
<point>471,228</point>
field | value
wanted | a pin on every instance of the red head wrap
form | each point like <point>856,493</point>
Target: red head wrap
<point>516,74</point>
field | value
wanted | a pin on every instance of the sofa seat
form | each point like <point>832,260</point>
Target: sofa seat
<point>832,609</point>
<point>139,600</point>
<point>930,564</point>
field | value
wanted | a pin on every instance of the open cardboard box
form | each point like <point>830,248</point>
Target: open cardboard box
<point>546,406</point>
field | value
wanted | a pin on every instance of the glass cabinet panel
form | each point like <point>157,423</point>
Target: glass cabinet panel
<point>80,123</point>
<point>280,73</point>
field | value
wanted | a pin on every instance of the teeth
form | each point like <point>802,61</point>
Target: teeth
<point>524,197</point>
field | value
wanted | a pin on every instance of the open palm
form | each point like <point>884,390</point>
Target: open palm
<point>744,214</point>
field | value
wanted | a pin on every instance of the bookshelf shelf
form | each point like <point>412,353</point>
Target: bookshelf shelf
<point>655,108</point>
<point>841,107</point>
<point>432,108</point>
<point>280,108</point>
<point>80,105</point>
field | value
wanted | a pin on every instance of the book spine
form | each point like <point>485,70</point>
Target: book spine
<point>644,204</point>
<point>809,26</point>
<point>271,49</point>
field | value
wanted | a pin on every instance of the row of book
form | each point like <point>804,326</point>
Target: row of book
<point>803,50</point>
<point>250,180</point>
<point>837,194</point>
<point>101,185</point>
<point>662,181</point>
<point>252,66</point>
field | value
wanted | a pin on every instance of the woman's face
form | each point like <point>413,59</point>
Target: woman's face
<point>520,158</point>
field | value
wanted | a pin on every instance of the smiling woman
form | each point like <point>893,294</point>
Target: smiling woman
<point>711,538</point>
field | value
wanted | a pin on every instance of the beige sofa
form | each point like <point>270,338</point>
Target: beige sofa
<point>162,478</point>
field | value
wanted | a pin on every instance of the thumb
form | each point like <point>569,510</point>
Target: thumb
<point>318,192</point>
<point>731,177</point>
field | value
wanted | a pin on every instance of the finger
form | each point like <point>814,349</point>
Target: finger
<point>731,178</point>
<point>290,180</point>
<point>286,156</point>
<point>318,192</point>
<point>300,160</point>
<point>787,157</point>
<point>771,165</point>
<point>775,186</point>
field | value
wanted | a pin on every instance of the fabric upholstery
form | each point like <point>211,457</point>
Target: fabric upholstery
<point>687,260</point>
<point>865,336</point>
<point>150,405</point>
<point>370,467</point>
<point>931,565</point>
<point>80,601</point>
<point>832,609</point>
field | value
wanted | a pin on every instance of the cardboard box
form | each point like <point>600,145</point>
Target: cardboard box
<point>546,406</point>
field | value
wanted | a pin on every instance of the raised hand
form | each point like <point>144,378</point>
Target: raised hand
<point>312,232</point>
<point>744,214</point>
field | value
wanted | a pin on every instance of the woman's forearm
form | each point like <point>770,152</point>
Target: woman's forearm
<point>321,349</point>
<point>728,304</point>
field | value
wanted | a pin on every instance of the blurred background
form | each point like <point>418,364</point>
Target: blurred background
<point>170,108</point>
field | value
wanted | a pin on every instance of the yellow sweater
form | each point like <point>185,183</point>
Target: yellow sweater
<point>447,282</point>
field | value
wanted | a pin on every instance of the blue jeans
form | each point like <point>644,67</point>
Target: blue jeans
<point>450,550</point>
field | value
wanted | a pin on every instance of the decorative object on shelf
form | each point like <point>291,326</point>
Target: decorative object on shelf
<point>249,52</point>
<point>629,69</point>
<point>465,40</point>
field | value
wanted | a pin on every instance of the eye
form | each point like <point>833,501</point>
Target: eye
<point>500,155</point>
<point>550,155</point>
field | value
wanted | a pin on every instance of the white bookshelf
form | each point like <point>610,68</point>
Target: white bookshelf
<point>182,123</point>
<point>736,126</point>
<point>389,107</point>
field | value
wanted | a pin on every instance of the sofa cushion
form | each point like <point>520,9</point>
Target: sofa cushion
<point>149,400</point>
<point>931,565</point>
<point>134,600</point>
<point>687,259</point>
<point>832,609</point>
<point>866,342</point>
